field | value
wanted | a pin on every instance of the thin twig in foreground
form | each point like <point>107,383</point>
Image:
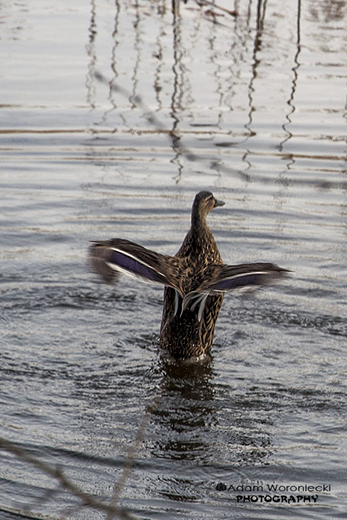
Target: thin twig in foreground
<point>132,452</point>
<point>57,473</point>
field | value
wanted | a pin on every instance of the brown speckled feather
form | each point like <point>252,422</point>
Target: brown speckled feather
<point>183,334</point>
<point>195,280</point>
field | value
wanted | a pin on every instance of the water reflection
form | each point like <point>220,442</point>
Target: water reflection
<point>328,10</point>
<point>191,406</point>
<point>179,84</point>
<point>91,51</point>
<point>257,45</point>
<point>289,158</point>
<point>171,89</point>
<point>183,95</point>
<point>290,102</point>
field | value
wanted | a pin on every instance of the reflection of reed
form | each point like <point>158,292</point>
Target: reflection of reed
<point>172,71</point>
<point>178,89</point>
<point>180,95</point>
<point>175,5</point>
<point>92,56</point>
<point>137,47</point>
<point>113,65</point>
<point>114,53</point>
<point>158,70</point>
<point>290,101</point>
<point>261,9</point>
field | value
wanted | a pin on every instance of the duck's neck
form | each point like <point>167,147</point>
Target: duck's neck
<point>198,220</point>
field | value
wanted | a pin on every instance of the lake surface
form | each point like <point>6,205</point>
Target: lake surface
<point>113,115</point>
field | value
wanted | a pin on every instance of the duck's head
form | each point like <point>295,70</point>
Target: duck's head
<point>204,202</point>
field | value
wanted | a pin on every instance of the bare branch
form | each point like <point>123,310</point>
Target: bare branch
<point>56,473</point>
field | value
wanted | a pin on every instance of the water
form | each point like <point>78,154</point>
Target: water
<point>252,107</point>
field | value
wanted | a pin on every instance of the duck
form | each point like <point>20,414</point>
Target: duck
<point>195,280</point>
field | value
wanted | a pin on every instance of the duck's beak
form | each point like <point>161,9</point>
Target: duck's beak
<point>218,203</point>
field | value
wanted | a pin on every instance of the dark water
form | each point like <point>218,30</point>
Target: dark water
<point>252,107</point>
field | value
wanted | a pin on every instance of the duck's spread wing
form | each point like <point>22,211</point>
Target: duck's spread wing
<point>113,257</point>
<point>224,278</point>
<point>230,277</point>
